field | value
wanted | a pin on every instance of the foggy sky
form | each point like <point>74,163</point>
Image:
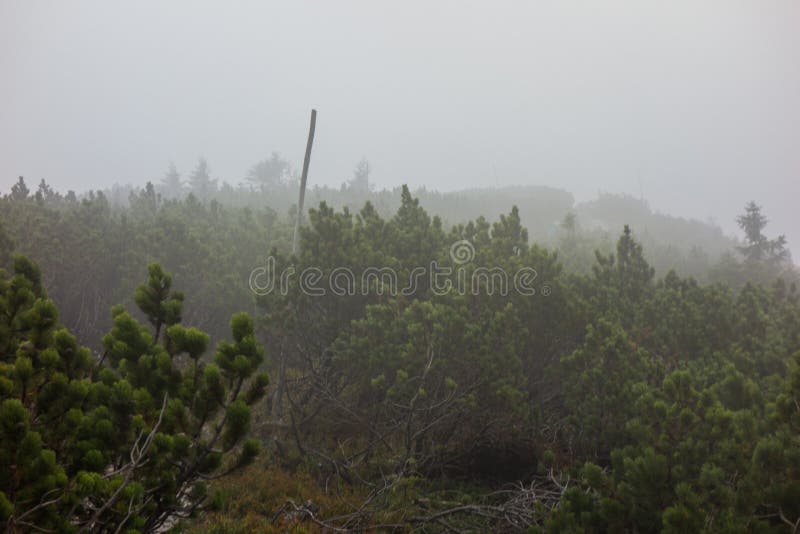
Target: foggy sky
<point>694,105</point>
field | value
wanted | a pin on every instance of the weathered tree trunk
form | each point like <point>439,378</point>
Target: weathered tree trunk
<point>277,399</point>
<point>303,179</point>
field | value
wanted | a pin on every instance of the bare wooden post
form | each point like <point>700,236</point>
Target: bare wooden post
<point>277,399</point>
<point>303,179</point>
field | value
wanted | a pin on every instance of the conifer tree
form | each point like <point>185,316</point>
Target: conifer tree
<point>757,247</point>
<point>19,191</point>
<point>128,442</point>
<point>200,181</point>
<point>171,184</point>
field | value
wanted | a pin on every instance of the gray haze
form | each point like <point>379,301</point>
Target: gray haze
<point>695,105</point>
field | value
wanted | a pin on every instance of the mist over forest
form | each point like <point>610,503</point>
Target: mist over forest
<point>426,267</point>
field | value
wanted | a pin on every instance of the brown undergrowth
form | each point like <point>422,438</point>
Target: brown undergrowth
<point>270,499</point>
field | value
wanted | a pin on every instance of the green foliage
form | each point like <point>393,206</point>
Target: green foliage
<point>669,404</point>
<point>125,442</point>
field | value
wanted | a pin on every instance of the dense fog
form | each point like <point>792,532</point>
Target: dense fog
<point>693,106</point>
<point>434,267</point>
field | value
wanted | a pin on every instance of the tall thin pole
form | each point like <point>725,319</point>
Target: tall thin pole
<point>303,180</point>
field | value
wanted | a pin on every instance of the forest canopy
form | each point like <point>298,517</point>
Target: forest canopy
<point>643,385</point>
